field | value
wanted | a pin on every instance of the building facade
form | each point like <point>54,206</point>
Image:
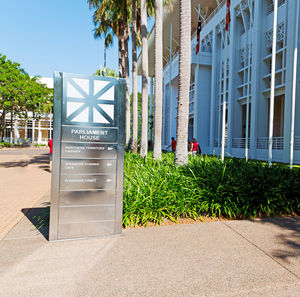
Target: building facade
<point>247,80</point>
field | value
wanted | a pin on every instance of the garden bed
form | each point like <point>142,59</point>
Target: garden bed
<point>157,192</point>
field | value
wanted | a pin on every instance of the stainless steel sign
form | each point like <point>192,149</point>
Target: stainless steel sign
<point>88,156</point>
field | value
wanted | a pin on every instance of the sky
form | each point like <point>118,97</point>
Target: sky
<point>53,35</point>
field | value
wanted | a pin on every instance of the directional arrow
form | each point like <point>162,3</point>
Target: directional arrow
<point>109,180</point>
<point>109,148</point>
<point>109,164</point>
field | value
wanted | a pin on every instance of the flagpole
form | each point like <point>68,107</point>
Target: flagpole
<point>248,90</point>
<point>294,87</point>
<point>196,87</point>
<point>220,92</point>
<point>224,97</point>
<point>227,22</point>
<point>272,94</point>
<point>170,82</point>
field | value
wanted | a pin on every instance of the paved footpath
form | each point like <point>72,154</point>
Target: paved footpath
<point>24,179</point>
<point>230,259</point>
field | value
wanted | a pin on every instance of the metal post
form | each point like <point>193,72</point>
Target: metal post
<point>170,83</point>
<point>294,87</point>
<point>272,95</point>
<point>224,98</point>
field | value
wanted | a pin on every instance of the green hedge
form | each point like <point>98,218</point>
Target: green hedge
<point>234,188</point>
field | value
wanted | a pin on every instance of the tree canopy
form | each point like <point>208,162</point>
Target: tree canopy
<point>20,93</point>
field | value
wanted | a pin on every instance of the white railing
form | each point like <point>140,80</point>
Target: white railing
<point>270,8</point>
<point>240,143</point>
<point>297,143</point>
<point>262,143</point>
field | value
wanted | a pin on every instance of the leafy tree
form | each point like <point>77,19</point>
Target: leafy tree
<point>20,93</point>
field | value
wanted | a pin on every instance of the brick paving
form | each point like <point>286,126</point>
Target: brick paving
<point>24,179</point>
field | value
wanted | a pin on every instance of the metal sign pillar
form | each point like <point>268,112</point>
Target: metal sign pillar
<point>88,156</point>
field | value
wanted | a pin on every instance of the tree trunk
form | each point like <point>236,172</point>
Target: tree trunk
<point>144,130</point>
<point>181,154</point>
<point>158,79</point>
<point>134,82</point>
<point>121,59</point>
<point>127,105</point>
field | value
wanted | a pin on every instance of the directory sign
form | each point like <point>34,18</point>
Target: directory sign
<point>88,156</point>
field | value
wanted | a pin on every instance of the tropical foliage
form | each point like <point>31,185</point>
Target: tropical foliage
<point>206,186</point>
<point>105,71</point>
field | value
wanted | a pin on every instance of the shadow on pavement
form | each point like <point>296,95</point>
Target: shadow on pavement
<point>289,239</point>
<point>39,159</point>
<point>39,217</point>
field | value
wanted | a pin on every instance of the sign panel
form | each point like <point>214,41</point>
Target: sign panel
<point>88,156</point>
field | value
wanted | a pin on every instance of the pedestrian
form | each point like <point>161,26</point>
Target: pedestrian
<point>173,144</point>
<point>190,147</point>
<point>50,144</point>
<point>195,147</point>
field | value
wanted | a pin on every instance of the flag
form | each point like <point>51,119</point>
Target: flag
<point>198,34</point>
<point>227,15</point>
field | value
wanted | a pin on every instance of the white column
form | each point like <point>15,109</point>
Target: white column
<point>50,125</point>
<point>39,132</point>
<point>272,95</point>
<point>11,128</point>
<point>33,127</point>
<point>294,86</point>
<point>16,131</point>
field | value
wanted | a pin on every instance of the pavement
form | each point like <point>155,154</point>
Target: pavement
<point>224,258</point>
<point>25,178</point>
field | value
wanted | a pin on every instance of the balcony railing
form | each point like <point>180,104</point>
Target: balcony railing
<point>297,143</point>
<point>262,143</point>
<point>240,143</point>
<point>270,8</point>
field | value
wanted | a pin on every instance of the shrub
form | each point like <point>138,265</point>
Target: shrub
<point>154,191</point>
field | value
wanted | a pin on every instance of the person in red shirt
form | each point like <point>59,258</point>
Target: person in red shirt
<point>194,146</point>
<point>50,144</point>
<point>173,144</point>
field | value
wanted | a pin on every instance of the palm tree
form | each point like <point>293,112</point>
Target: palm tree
<point>112,16</point>
<point>144,130</point>
<point>158,79</point>
<point>134,79</point>
<point>181,154</point>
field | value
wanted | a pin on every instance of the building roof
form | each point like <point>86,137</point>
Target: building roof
<point>171,16</point>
